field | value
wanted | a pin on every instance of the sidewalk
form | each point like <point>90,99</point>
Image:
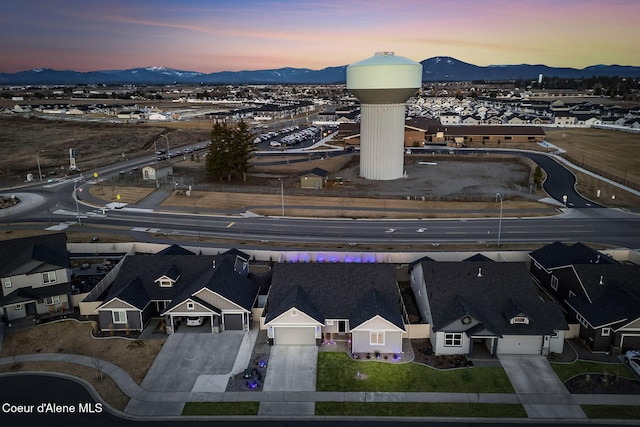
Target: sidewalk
<point>150,403</point>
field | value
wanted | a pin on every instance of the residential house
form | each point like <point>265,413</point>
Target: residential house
<point>597,292</point>
<point>35,275</point>
<point>215,288</point>
<point>310,303</point>
<point>488,304</point>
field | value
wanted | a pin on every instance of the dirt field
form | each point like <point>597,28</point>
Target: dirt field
<point>96,144</point>
<point>127,194</point>
<point>617,153</point>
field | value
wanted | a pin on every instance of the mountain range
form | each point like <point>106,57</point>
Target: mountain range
<point>439,68</point>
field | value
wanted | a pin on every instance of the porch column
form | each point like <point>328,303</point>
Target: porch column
<point>495,348</point>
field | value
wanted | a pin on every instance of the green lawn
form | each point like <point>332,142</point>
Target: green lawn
<point>611,412</point>
<point>568,370</point>
<point>423,409</point>
<point>220,408</point>
<point>337,372</point>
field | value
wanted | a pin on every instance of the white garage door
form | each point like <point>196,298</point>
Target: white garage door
<point>520,344</point>
<point>294,336</point>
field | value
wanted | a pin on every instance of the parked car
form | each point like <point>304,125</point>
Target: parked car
<point>195,320</point>
<point>632,359</point>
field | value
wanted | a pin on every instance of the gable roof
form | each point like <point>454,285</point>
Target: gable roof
<point>356,292</point>
<point>175,250</point>
<point>33,254</point>
<point>613,293</point>
<point>502,291</point>
<point>317,172</point>
<point>557,254</point>
<point>477,258</point>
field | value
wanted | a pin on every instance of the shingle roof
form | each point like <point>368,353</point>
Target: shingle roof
<point>336,291</point>
<point>613,293</point>
<point>33,254</point>
<point>557,254</point>
<point>175,250</point>
<point>455,289</point>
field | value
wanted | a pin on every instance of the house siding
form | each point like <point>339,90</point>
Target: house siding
<point>34,280</point>
<point>117,305</point>
<point>437,342</point>
<point>105,319</point>
<point>217,301</point>
<point>361,342</point>
<point>182,308</point>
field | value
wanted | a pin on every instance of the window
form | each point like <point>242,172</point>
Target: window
<point>165,283</point>
<point>7,282</point>
<point>555,334</point>
<point>294,313</point>
<point>119,316</point>
<point>191,306</point>
<point>537,265</point>
<point>48,277</point>
<point>53,300</point>
<point>18,306</point>
<point>376,338</point>
<point>554,283</point>
<point>520,319</point>
<point>453,340</point>
<point>606,332</point>
<point>329,322</point>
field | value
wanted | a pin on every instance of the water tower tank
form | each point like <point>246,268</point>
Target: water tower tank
<point>383,83</point>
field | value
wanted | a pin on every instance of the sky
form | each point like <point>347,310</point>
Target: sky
<point>233,35</point>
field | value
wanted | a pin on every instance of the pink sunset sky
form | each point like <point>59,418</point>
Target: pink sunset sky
<point>233,35</point>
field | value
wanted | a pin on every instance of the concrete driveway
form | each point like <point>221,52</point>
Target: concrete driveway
<point>539,389</point>
<point>292,369</point>
<point>185,357</point>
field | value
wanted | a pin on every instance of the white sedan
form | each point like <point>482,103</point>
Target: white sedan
<point>195,320</point>
<point>632,359</point>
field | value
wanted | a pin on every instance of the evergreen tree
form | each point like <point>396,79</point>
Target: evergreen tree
<point>242,148</point>
<point>218,163</point>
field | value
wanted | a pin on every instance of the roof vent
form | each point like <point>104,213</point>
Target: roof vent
<point>598,259</point>
<point>479,272</point>
<point>602,280</point>
<point>214,263</point>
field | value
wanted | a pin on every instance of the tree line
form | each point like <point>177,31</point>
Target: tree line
<point>229,151</point>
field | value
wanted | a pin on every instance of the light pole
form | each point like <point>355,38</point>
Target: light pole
<point>167,138</point>
<point>155,173</point>
<point>282,194</point>
<point>38,160</point>
<point>75,196</point>
<point>498,196</point>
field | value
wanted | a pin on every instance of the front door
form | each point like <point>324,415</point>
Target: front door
<point>31,308</point>
<point>342,327</point>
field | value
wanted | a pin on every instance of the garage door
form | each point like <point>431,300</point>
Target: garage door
<point>294,336</point>
<point>233,322</point>
<point>520,344</point>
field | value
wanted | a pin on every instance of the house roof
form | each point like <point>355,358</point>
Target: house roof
<point>175,250</point>
<point>477,258</point>
<point>136,280</point>
<point>557,254</point>
<point>30,293</point>
<point>492,293</point>
<point>33,254</point>
<point>613,293</point>
<point>356,292</point>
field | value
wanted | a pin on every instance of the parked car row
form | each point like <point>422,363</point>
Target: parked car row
<point>296,137</point>
<point>162,153</point>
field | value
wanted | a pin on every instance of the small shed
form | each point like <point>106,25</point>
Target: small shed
<point>315,178</point>
<point>157,171</point>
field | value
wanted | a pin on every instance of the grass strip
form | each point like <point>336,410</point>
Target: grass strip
<point>618,412</point>
<point>220,408</point>
<point>421,409</point>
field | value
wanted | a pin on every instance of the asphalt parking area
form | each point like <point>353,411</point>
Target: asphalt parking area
<point>185,357</point>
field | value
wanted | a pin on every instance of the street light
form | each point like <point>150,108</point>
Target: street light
<point>38,160</point>
<point>282,194</point>
<point>75,196</point>
<point>167,138</point>
<point>498,196</point>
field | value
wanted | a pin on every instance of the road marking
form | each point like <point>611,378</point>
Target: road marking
<point>231,224</point>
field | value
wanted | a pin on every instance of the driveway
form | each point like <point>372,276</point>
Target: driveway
<point>538,387</point>
<point>185,357</point>
<point>291,368</point>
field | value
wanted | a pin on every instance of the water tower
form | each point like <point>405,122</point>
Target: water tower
<point>383,83</point>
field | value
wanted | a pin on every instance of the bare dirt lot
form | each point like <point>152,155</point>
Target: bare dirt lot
<point>96,144</point>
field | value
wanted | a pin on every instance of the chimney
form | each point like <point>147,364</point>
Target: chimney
<point>479,272</point>
<point>602,280</point>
